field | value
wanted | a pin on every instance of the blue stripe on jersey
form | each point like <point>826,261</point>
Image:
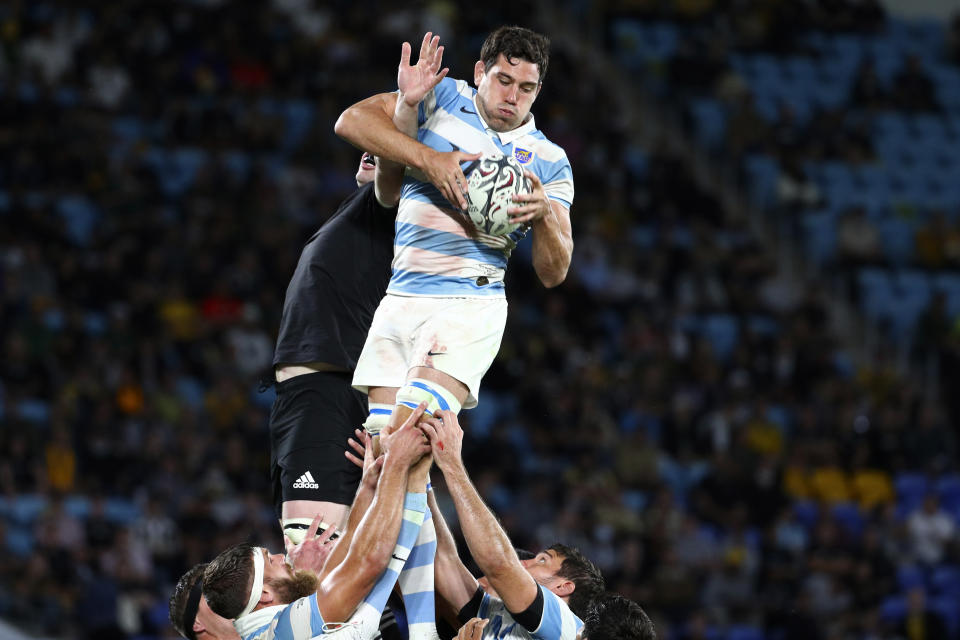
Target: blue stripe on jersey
<point>419,603</point>
<point>300,620</point>
<point>407,529</point>
<point>444,405</point>
<point>377,598</point>
<point>259,632</point>
<point>414,282</point>
<point>381,412</point>
<point>551,623</point>
<point>421,555</point>
<point>405,403</point>
<point>449,244</point>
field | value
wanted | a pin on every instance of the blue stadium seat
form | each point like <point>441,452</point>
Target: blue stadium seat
<point>948,489</point>
<point>745,633</point>
<point>893,609</point>
<point>896,236</point>
<point>762,173</point>
<point>121,510</point>
<point>910,576</point>
<point>911,489</point>
<point>80,215</point>
<point>945,580</point>
<point>722,331</point>
<point>807,513</point>
<point>710,122</point>
<point>948,606</point>
<point>25,509</point>
<point>78,506</point>
<point>913,282</point>
<point>849,518</point>
<point>19,540</point>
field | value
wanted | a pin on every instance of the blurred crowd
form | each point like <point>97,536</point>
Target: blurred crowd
<point>677,409</point>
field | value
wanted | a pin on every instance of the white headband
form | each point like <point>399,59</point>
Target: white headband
<point>257,589</point>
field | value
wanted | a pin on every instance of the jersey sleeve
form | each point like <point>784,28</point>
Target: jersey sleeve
<point>301,620</point>
<point>441,96</point>
<point>557,621</point>
<point>558,182</point>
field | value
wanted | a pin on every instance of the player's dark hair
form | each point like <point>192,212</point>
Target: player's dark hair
<point>585,575</point>
<point>516,43</point>
<point>228,579</point>
<point>613,617</point>
<point>184,601</point>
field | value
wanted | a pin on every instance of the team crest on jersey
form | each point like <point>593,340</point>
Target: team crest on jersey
<point>522,155</point>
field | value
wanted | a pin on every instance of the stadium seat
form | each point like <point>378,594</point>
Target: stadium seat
<point>896,236</point>
<point>948,606</point>
<point>25,509</point>
<point>911,488</point>
<point>820,235</point>
<point>893,609</point>
<point>948,488</point>
<point>710,122</point>
<point>848,516</point>
<point>910,576</point>
<point>744,633</point>
<point>945,580</point>
<point>722,330</point>
<point>807,513</point>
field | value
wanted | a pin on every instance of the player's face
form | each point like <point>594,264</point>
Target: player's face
<point>275,566</point>
<point>543,566</point>
<point>368,167</point>
<point>505,92</point>
<point>210,626</point>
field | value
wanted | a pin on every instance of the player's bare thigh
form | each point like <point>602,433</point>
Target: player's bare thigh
<point>331,512</point>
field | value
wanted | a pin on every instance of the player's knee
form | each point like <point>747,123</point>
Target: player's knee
<point>378,418</point>
<point>418,390</point>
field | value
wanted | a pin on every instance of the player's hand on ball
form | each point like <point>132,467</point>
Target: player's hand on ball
<point>442,169</point>
<point>473,629</point>
<point>532,206</point>
<point>312,552</point>
<point>416,81</point>
<point>406,444</point>
<point>445,436</point>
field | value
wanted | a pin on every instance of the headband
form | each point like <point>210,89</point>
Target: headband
<point>257,589</point>
<point>190,611</point>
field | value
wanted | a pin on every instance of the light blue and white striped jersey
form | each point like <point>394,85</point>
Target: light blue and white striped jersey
<point>556,623</point>
<point>437,251</point>
<point>299,620</point>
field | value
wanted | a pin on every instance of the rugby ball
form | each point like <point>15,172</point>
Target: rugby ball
<point>491,183</point>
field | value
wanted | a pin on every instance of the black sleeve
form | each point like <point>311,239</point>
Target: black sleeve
<point>530,617</point>
<point>471,609</point>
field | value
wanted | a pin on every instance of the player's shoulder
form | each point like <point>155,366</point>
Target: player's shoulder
<point>535,145</point>
<point>558,620</point>
<point>451,89</point>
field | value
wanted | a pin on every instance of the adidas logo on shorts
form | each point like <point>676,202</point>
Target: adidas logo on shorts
<point>306,481</point>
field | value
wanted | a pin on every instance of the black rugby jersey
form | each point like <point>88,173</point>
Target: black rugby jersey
<point>339,281</point>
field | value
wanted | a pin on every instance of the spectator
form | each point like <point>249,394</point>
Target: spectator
<point>913,88</point>
<point>930,530</point>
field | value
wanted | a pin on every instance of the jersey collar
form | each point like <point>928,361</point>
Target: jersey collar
<point>507,137</point>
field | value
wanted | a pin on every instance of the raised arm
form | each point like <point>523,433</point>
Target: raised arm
<point>376,535</point>
<point>369,125</point>
<point>454,582</point>
<point>488,542</point>
<point>413,83</point>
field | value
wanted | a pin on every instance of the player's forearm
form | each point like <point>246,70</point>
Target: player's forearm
<point>552,249</point>
<point>361,503</point>
<point>376,534</point>
<point>488,542</point>
<point>389,176</point>
<point>367,126</point>
<point>454,583</point>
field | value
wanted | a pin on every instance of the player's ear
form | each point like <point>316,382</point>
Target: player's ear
<point>198,626</point>
<point>564,588</point>
<point>479,70</point>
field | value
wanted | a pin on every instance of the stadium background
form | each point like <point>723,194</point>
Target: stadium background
<point>741,403</point>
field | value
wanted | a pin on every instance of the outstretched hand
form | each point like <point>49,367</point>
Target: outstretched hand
<point>312,552</point>
<point>416,81</point>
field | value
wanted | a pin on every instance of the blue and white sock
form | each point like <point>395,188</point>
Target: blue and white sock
<point>416,584</point>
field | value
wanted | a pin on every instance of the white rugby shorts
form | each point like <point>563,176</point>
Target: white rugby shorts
<point>458,336</point>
